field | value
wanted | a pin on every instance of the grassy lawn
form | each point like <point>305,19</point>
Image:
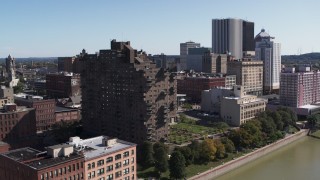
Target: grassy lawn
<point>316,133</point>
<point>185,132</point>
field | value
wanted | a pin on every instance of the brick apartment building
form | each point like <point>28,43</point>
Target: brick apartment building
<point>16,123</point>
<point>124,95</point>
<point>99,158</point>
<point>45,109</point>
<point>63,85</point>
<point>193,85</point>
<point>70,64</point>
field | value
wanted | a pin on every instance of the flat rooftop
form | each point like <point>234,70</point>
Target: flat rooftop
<point>63,109</point>
<point>309,106</point>
<point>95,148</point>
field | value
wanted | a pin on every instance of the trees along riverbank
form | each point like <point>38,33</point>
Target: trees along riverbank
<point>268,127</point>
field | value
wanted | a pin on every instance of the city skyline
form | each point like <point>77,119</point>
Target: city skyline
<point>59,28</point>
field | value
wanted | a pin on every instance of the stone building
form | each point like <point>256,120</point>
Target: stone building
<point>249,74</point>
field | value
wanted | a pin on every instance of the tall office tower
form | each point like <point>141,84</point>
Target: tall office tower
<point>270,53</point>
<point>124,95</point>
<point>249,74</point>
<point>184,52</point>
<point>299,87</point>
<point>233,36</point>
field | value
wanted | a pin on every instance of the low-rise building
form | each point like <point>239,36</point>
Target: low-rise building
<point>211,99</point>
<point>67,114</point>
<point>95,159</point>
<point>16,123</point>
<point>240,108</point>
<point>63,85</point>
<point>45,109</point>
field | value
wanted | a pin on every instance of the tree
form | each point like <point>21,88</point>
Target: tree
<point>221,151</point>
<point>195,151</point>
<point>277,120</point>
<point>147,154</point>
<point>18,88</point>
<point>187,153</point>
<point>228,145</point>
<point>313,119</point>
<point>160,158</point>
<point>177,166</point>
<point>208,150</point>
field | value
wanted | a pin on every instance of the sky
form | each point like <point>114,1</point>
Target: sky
<point>54,28</point>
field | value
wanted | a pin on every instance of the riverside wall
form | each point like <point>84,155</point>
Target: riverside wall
<point>233,164</point>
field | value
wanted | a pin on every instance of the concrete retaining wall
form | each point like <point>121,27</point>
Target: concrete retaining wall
<point>231,165</point>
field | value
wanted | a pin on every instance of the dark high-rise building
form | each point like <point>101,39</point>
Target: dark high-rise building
<point>63,85</point>
<point>124,95</point>
<point>233,36</point>
<point>248,36</point>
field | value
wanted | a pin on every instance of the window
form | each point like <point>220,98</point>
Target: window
<point>109,168</point>
<point>118,165</point>
<point>132,168</point>
<point>132,152</point>
<point>118,156</point>
<point>126,154</point>
<point>93,174</point>
<point>126,171</point>
<point>132,160</point>
<point>127,178</point>
<point>109,159</point>
<point>118,174</point>
<point>100,171</point>
<point>109,177</point>
<point>101,162</point>
<point>93,165</point>
<point>126,162</point>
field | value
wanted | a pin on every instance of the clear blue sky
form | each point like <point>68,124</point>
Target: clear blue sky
<point>43,28</point>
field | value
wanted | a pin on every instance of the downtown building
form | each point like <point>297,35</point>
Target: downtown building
<point>270,53</point>
<point>98,158</point>
<point>184,49</point>
<point>63,85</point>
<point>124,95</point>
<point>299,87</point>
<point>249,74</point>
<point>214,63</point>
<point>234,36</point>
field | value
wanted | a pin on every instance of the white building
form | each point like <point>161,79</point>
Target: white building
<point>211,99</point>
<point>270,53</point>
<point>240,108</point>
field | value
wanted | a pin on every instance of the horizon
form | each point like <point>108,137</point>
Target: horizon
<point>59,28</point>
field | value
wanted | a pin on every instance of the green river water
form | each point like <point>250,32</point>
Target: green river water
<point>299,160</point>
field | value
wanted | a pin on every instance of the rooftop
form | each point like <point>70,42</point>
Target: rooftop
<point>95,148</point>
<point>63,109</point>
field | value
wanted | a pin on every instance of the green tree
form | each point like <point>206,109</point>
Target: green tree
<point>195,151</point>
<point>228,144</point>
<point>160,158</point>
<point>208,150</point>
<point>313,119</point>
<point>221,151</point>
<point>187,153</point>
<point>177,166</point>
<point>19,88</point>
<point>146,157</point>
<point>277,120</point>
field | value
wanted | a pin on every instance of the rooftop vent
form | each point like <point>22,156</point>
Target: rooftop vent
<point>109,141</point>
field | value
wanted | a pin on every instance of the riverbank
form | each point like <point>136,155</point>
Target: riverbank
<point>231,165</point>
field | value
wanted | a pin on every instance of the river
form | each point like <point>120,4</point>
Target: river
<point>299,160</point>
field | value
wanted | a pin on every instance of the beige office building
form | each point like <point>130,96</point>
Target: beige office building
<point>249,74</point>
<point>241,108</point>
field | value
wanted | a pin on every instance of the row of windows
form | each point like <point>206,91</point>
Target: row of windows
<point>64,170</point>
<point>110,159</point>
<point>109,168</point>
